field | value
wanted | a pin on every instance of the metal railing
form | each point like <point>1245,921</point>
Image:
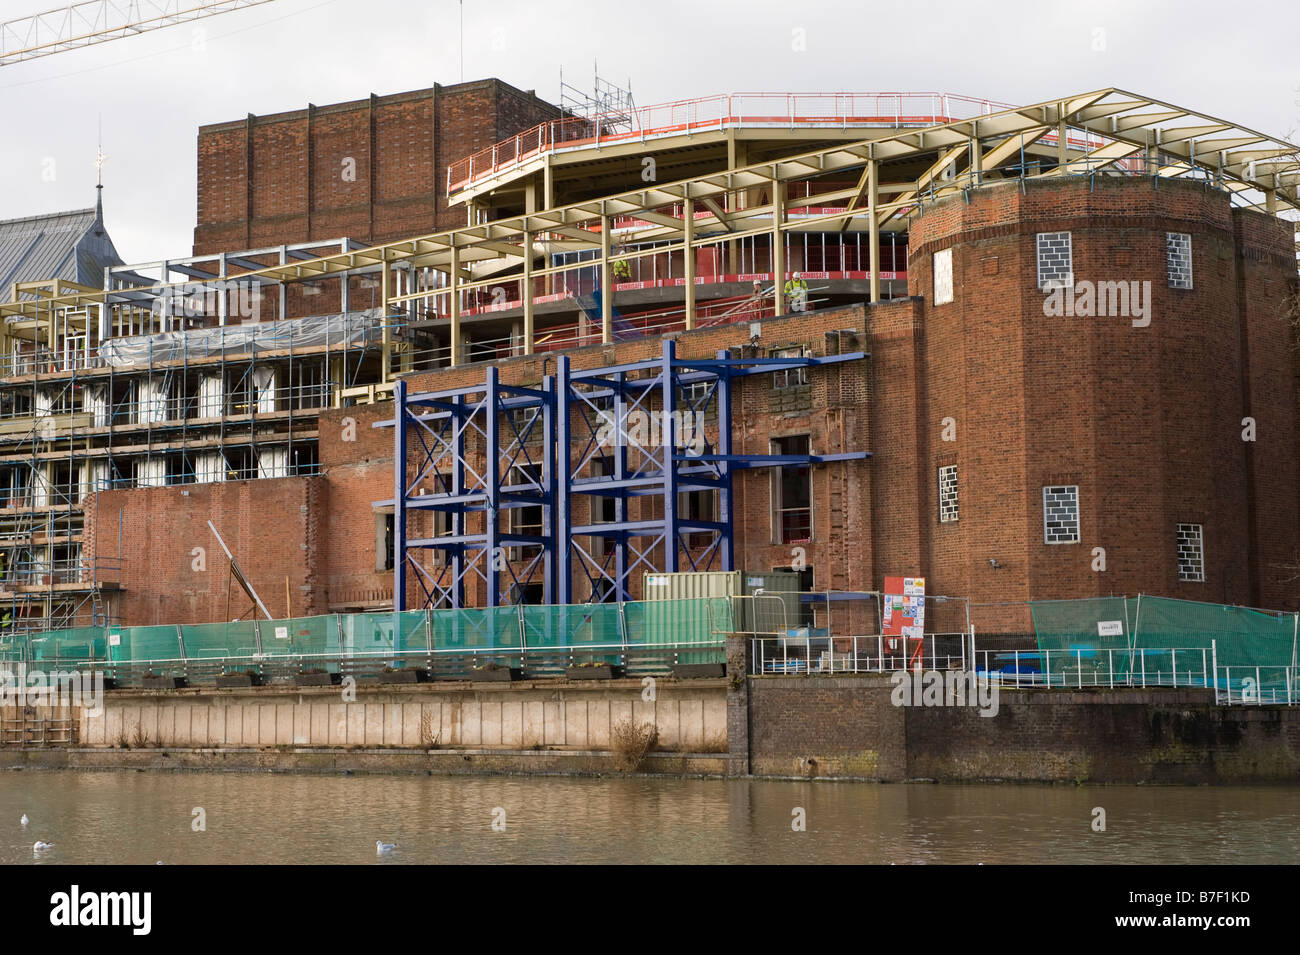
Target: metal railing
<point>1078,668</point>
<point>805,652</point>
<point>442,664</point>
<point>36,731</point>
<point>1257,685</point>
<point>722,111</point>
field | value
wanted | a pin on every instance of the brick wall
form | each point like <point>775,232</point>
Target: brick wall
<point>357,465</point>
<point>272,526</point>
<point>848,727</point>
<point>1147,421</point>
<point>373,170</point>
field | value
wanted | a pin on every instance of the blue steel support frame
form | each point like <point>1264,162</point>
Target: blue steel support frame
<point>471,490</point>
<point>648,419</point>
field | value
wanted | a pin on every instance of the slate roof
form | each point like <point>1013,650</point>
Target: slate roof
<point>69,245</point>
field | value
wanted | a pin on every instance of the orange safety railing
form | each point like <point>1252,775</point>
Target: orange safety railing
<point>776,110</point>
<point>729,110</point>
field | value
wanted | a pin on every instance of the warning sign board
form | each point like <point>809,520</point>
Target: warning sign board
<point>903,615</point>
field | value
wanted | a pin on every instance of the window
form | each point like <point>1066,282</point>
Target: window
<point>525,427</point>
<point>304,459</point>
<point>792,493</point>
<point>529,593</point>
<point>1055,261</point>
<point>790,377</point>
<point>604,507</point>
<point>1178,259</point>
<point>948,494</point>
<point>1191,553</point>
<point>943,277</point>
<point>1061,514</point>
<point>383,542</point>
<point>442,522</point>
<point>525,521</point>
<point>695,393</point>
<point>697,506</point>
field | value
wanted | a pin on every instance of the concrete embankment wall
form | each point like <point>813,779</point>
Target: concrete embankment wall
<point>452,727</point>
<point>844,727</point>
<point>426,716</point>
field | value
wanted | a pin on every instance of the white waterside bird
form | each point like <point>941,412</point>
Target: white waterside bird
<point>23,820</point>
<point>42,846</point>
<point>382,847</point>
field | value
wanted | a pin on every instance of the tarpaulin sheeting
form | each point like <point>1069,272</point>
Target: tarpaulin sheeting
<point>350,328</point>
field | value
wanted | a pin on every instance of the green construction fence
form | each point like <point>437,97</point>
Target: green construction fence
<point>604,628</point>
<point>1153,637</point>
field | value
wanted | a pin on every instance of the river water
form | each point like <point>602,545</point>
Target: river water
<point>135,817</point>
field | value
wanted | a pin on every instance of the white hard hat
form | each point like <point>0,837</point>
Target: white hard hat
<point>796,275</point>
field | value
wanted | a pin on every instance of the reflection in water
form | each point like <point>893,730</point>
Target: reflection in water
<point>130,817</point>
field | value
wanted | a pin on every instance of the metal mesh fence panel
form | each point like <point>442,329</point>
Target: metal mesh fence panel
<point>140,644</point>
<point>1076,638</point>
<point>1164,640</point>
<point>697,622</point>
<point>1248,644</point>
<point>568,629</point>
<point>212,641</point>
<point>489,629</point>
<point>74,644</point>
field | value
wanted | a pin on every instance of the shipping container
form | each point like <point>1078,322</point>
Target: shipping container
<point>753,612</point>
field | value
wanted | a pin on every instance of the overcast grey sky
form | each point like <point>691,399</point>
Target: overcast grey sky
<point>153,91</point>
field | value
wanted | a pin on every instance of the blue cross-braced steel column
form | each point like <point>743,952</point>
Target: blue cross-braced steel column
<point>469,459</point>
<point>657,431</point>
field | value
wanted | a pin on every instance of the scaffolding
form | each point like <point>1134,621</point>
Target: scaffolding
<point>646,431</point>
<point>158,384</point>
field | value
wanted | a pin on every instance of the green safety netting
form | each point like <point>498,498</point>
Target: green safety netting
<point>467,630</point>
<point>378,633</point>
<point>208,641</point>
<point>596,625</point>
<point>1165,640</point>
<point>302,636</point>
<point>13,649</point>
<point>136,644</point>
<point>604,628</point>
<point>74,644</point>
<point>1076,638</point>
<point>1247,644</point>
<point>700,622</point>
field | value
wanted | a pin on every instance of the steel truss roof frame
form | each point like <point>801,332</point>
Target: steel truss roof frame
<point>1170,141</point>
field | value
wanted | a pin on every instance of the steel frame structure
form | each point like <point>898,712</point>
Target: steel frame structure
<point>1115,125</point>
<point>871,185</point>
<point>582,415</point>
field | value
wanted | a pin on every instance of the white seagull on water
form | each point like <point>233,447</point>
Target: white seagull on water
<point>382,847</point>
<point>23,820</point>
<point>42,846</point>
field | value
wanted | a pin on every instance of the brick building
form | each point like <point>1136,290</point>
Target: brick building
<point>1137,428</point>
<point>371,169</point>
<point>1072,385</point>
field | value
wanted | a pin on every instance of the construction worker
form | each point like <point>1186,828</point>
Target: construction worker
<point>796,293</point>
<point>621,271</point>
